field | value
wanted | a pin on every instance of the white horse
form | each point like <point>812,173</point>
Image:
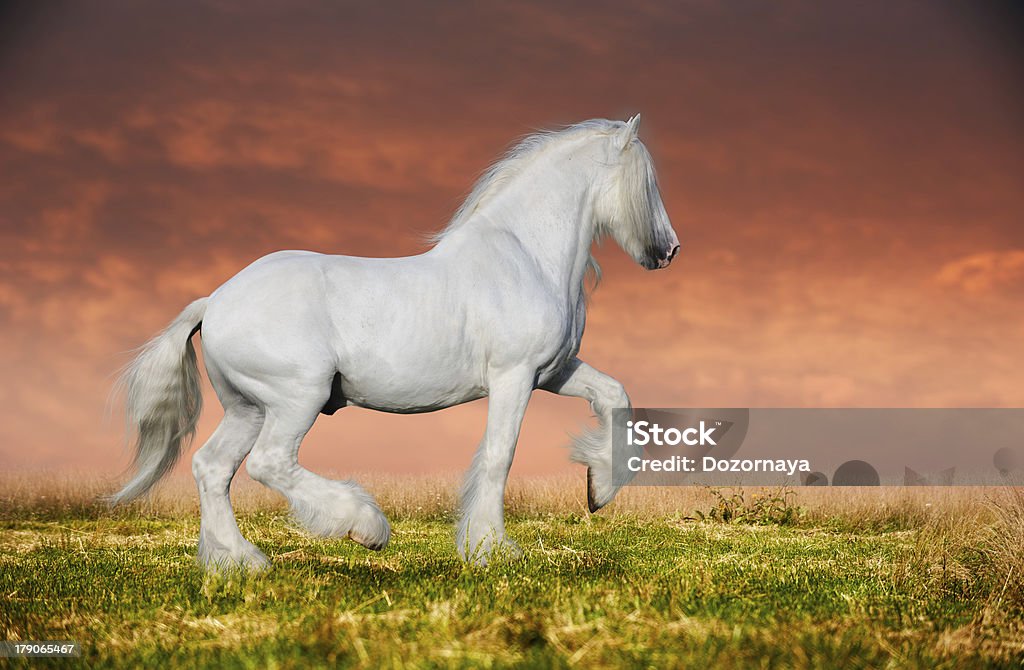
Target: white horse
<point>495,308</point>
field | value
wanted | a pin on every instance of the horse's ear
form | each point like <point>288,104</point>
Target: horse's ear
<point>633,125</point>
<point>628,133</point>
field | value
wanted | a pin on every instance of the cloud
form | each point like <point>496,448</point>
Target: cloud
<point>984,272</point>
<point>817,175</point>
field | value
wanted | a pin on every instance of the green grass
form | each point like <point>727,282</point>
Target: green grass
<point>628,589</point>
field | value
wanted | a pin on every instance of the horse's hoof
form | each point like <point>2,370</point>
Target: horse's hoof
<point>372,531</point>
<point>490,550</point>
<point>372,545</point>
<point>249,559</point>
<point>591,502</point>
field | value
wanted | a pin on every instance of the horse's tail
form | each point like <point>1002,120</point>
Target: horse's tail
<point>163,400</point>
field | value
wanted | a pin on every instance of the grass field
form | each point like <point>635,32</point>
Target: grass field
<point>662,578</point>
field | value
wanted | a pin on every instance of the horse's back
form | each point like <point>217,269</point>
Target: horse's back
<point>389,327</point>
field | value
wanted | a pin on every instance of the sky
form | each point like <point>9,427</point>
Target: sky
<point>846,180</point>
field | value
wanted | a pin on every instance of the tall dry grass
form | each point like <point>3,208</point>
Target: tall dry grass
<point>1005,549</point>
<point>433,496</point>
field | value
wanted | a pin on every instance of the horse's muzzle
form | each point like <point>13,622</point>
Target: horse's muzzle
<point>658,259</point>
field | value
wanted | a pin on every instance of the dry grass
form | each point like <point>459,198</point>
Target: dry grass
<point>436,496</point>
<point>1005,548</point>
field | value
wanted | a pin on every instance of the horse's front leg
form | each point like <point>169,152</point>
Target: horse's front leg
<point>594,448</point>
<point>481,531</point>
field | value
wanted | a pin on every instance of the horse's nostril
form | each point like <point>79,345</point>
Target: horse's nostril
<point>672,254</point>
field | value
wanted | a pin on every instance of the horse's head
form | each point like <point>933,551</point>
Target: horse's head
<point>629,206</point>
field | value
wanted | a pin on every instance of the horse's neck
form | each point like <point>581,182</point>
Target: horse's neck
<point>551,216</point>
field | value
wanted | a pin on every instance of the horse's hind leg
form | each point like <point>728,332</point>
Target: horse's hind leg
<point>323,506</point>
<point>220,542</point>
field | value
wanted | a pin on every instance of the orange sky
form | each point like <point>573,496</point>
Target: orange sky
<point>845,178</point>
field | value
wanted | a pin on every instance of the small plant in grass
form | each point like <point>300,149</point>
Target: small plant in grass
<point>764,508</point>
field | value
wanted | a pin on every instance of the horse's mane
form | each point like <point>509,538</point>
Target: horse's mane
<point>512,163</point>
